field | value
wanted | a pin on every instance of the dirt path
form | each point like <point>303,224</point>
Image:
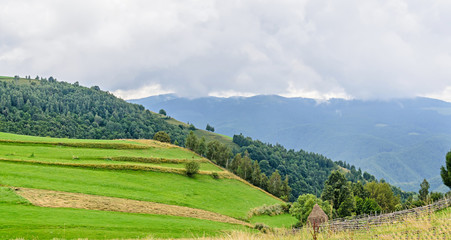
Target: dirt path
<point>55,199</point>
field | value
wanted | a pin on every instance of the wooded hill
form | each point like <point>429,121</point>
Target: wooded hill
<point>400,140</point>
<point>59,109</point>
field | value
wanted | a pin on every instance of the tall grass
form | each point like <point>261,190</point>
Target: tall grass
<point>426,226</point>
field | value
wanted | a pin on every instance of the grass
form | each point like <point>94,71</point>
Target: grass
<point>31,222</point>
<point>43,149</point>
<point>8,196</point>
<point>226,196</point>
<point>433,226</point>
<point>19,219</point>
<point>209,136</point>
<point>278,221</point>
<point>20,81</point>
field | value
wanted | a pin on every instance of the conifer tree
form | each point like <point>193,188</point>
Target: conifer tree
<point>275,184</point>
<point>445,171</point>
<point>424,191</point>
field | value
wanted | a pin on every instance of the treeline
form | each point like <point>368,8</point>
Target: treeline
<point>59,109</point>
<point>306,171</point>
<point>284,173</point>
<point>240,164</point>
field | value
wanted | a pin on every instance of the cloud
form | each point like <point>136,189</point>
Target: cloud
<point>322,48</point>
<point>142,92</point>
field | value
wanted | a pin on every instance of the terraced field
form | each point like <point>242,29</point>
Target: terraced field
<point>117,189</point>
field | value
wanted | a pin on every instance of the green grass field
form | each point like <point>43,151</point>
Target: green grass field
<point>20,219</point>
<point>279,221</point>
<point>226,196</point>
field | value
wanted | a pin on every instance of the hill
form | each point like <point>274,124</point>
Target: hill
<point>71,188</point>
<point>402,140</point>
<point>59,109</point>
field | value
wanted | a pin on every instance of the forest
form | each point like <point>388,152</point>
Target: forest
<point>59,109</point>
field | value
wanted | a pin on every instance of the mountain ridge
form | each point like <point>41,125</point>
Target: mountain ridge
<point>361,132</point>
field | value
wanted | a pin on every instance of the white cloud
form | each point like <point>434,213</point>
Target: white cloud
<point>322,48</point>
<point>145,91</point>
<point>444,95</point>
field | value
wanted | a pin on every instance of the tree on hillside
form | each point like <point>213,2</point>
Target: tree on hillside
<point>302,208</point>
<point>192,168</point>
<point>202,147</point>
<point>358,190</point>
<point>162,137</point>
<point>218,153</point>
<point>210,128</point>
<point>256,174</point>
<point>275,184</point>
<point>162,112</point>
<point>191,141</point>
<point>424,191</point>
<point>286,189</point>
<point>445,171</point>
<point>366,206</point>
<point>337,190</point>
<point>382,193</point>
<point>244,169</point>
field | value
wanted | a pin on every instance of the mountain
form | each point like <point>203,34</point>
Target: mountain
<point>401,140</point>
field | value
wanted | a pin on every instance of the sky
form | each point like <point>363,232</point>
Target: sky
<point>372,49</point>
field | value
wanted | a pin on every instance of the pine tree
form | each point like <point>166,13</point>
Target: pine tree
<point>445,171</point>
<point>286,189</point>
<point>201,147</point>
<point>338,192</point>
<point>424,191</point>
<point>256,174</point>
<point>275,184</point>
<point>191,141</point>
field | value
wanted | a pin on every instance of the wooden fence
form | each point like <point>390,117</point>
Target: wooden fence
<point>365,221</point>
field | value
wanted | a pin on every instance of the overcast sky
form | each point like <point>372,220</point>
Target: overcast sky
<point>321,49</point>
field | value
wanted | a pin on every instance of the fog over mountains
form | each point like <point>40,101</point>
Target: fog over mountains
<point>402,141</point>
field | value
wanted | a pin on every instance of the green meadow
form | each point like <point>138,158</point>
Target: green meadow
<point>21,219</point>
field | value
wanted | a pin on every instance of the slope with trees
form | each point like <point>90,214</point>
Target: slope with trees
<point>59,109</point>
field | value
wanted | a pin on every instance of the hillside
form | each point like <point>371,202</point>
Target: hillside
<point>71,188</point>
<point>59,109</point>
<point>402,141</point>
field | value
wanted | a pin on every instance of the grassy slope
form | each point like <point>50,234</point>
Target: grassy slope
<point>284,220</point>
<point>21,220</point>
<point>209,136</point>
<point>226,196</point>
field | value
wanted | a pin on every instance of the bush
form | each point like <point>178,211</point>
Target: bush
<point>270,210</point>
<point>262,227</point>
<point>192,168</point>
<point>162,137</point>
<point>215,175</point>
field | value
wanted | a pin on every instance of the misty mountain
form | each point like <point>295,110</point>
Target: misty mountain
<point>402,140</point>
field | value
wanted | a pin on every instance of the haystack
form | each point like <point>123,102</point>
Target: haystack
<point>317,216</point>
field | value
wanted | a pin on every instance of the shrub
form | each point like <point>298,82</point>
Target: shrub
<point>215,175</point>
<point>270,210</point>
<point>262,227</point>
<point>192,168</point>
<point>162,137</point>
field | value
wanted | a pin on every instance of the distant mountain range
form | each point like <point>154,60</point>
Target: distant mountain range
<point>402,140</point>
